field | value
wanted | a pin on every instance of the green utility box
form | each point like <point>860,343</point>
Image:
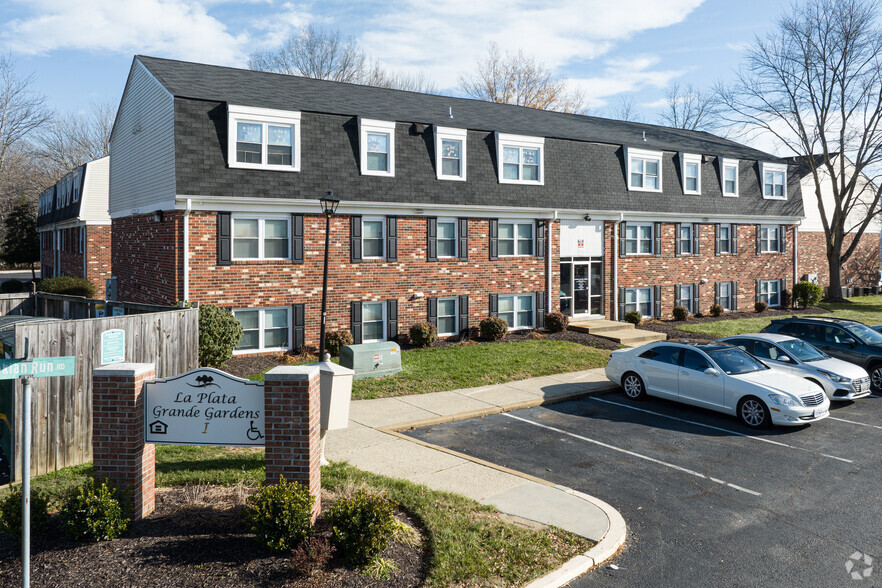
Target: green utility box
<point>372,360</point>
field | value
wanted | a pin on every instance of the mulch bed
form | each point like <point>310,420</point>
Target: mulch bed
<point>246,366</point>
<point>198,536</point>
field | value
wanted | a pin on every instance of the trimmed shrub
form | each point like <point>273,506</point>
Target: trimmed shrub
<point>680,313</point>
<point>633,316</point>
<point>493,328</point>
<point>312,555</point>
<point>423,334</point>
<point>219,333</point>
<point>335,341</point>
<point>555,322</point>
<point>760,306</point>
<point>92,512</point>
<point>281,514</point>
<point>362,526</point>
<point>715,310</point>
<point>70,285</point>
<point>807,293</point>
<point>10,512</point>
<point>12,287</point>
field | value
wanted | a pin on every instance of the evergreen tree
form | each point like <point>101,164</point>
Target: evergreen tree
<point>21,243</point>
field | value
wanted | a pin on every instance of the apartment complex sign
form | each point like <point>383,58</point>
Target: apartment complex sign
<point>204,407</point>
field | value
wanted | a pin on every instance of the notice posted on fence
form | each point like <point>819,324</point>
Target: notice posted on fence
<point>204,407</point>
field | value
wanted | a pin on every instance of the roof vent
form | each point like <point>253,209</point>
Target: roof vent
<point>644,135</point>
<point>450,112</point>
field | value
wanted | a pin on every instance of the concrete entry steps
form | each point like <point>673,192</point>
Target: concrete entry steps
<point>621,333</point>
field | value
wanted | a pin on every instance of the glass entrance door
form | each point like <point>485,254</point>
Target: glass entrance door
<point>581,286</point>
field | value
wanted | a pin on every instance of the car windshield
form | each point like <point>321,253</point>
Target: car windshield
<point>735,361</point>
<point>866,334</point>
<point>802,351</point>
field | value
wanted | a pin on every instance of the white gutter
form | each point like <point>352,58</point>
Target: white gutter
<point>796,254</point>
<point>187,250</point>
<point>615,268</point>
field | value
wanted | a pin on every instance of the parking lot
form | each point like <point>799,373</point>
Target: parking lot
<point>707,501</point>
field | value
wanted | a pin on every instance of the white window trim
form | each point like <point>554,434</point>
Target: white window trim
<point>514,298</point>
<point>451,134</point>
<point>727,307</point>
<point>689,241</point>
<point>525,142</point>
<point>637,238</point>
<point>261,236</point>
<point>643,154</point>
<point>772,167</point>
<point>263,116</point>
<point>261,325</point>
<point>382,220</point>
<point>455,237</point>
<point>764,242</point>
<point>365,126</point>
<point>455,315</point>
<point>768,294</point>
<point>515,238</point>
<point>383,320</point>
<point>728,241</point>
<point>689,158</point>
<point>650,289</point>
<point>688,300</point>
<point>724,163</point>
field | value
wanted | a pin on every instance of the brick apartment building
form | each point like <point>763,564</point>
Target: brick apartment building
<point>74,225</point>
<point>452,209</point>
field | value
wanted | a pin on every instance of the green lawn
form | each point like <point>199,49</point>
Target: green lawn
<point>466,366</point>
<point>866,309</point>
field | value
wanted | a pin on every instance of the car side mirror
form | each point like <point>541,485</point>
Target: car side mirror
<point>850,342</point>
<point>712,372</point>
<point>784,358</point>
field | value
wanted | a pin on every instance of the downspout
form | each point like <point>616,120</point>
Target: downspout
<point>187,249</point>
<point>550,249</point>
<point>796,253</point>
<point>615,268</point>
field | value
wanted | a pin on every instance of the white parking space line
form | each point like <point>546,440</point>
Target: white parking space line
<point>854,423</point>
<point>637,455</point>
<point>731,432</point>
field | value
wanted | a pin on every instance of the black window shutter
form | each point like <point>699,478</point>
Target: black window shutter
<point>696,298</point>
<point>540,310</point>
<point>463,239</point>
<point>224,238</point>
<point>540,238</point>
<point>696,239</point>
<point>464,315</point>
<point>622,232</point>
<point>432,310</point>
<point>782,239</point>
<point>717,239</point>
<point>757,239</point>
<point>733,235</point>
<point>432,239</point>
<point>656,233</point>
<point>392,238</point>
<point>391,319</point>
<point>494,239</point>
<point>621,316</point>
<point>298,326</point>
<point>716,292</point>
<point>355,243</point>
<point>494,305</point>
<point>355,321</point>
<point>296,238</point>
<point>677,300</point>
<point>781,288</point>
<point>678,250</point>
<point>757,290</point>
<point>658,300</point>
<point>734,293</point>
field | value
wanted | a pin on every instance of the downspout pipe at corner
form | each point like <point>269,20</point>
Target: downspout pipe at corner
<point>615,267</point>
<point>186,251</point>
<point>550,250</point>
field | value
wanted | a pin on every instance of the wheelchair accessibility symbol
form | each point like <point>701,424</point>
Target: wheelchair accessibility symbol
<point>253,433</point>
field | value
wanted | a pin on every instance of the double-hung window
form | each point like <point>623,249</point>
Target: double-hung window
<point>691,170</point>
<point>517,311</point>
<point>515,238</point>
<point>770,292</point>
<point>769,239</point>
<point>684,239</point>
<point>377,147</point>
<point>446,238</point>
<point>520,159</point>
<point>373,321</point>
<point>261,138</point>
<point>724,239</point>
<point>447,317</point>
<point>729,176</point>
<point>263,329</point>
<point>644,170</point>
<point>684,296</point>
<point>724,297</point>
<point>261,237</point>
<point>639,299</point>
<point>450,153</point>
<point>774,180</point>
<point>638,238</point>
<point>373,237</point>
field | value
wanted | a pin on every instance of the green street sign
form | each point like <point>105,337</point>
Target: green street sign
<point>39,367</point>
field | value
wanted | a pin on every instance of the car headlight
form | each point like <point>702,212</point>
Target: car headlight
<point>782,400</point>
<point>836,377</point>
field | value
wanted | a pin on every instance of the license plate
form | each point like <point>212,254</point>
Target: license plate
<point>819,413</point>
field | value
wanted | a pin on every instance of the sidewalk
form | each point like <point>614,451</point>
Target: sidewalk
<point>372,443</point>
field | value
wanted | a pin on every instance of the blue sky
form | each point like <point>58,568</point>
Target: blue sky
<point>80,50</point>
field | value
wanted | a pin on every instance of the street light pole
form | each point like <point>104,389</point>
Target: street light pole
<point>329,207</point>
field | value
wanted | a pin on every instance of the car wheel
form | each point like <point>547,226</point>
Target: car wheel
<point>633,385</point>
<point>876,377</point>
<point>754,413</point>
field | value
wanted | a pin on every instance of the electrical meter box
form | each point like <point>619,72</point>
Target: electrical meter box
<point>372,360</point>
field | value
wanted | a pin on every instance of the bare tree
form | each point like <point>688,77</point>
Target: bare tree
<point>376,75</point>
<point>625,109</point>
<point>687,107</point>
<point>74,139</point>
<point>315,53</point>
<point>22,111</point>
<point>514,78</point>
<point>815,84</point>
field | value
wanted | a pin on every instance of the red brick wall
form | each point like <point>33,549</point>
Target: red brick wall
<point>146,258</point>
<point>668,270</point>
<point>98,262</point>
<point>861,267</point>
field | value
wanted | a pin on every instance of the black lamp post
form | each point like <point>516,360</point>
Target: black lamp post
<point>329,207</point>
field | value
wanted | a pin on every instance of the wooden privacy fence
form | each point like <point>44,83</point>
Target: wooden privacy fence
<point>62,406</point>
<point>63,306</point>
<point>17,304</point>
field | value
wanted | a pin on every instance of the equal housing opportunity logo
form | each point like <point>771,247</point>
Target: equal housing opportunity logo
<point>859,566</point>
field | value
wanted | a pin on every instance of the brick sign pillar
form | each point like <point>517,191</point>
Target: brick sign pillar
<point>118,450</point>
<point>291,427</point>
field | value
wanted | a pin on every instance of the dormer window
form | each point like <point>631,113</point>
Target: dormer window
<point>520,159</point>
<point>729,176</point>
<point>774,180</point>
<point>644,170</point>
<point>450,153</point>
<point>691,171</point>
<point>261,138</point>
<point>377,147</point>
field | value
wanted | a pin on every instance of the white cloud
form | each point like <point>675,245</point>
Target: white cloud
<point>622,76</point>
